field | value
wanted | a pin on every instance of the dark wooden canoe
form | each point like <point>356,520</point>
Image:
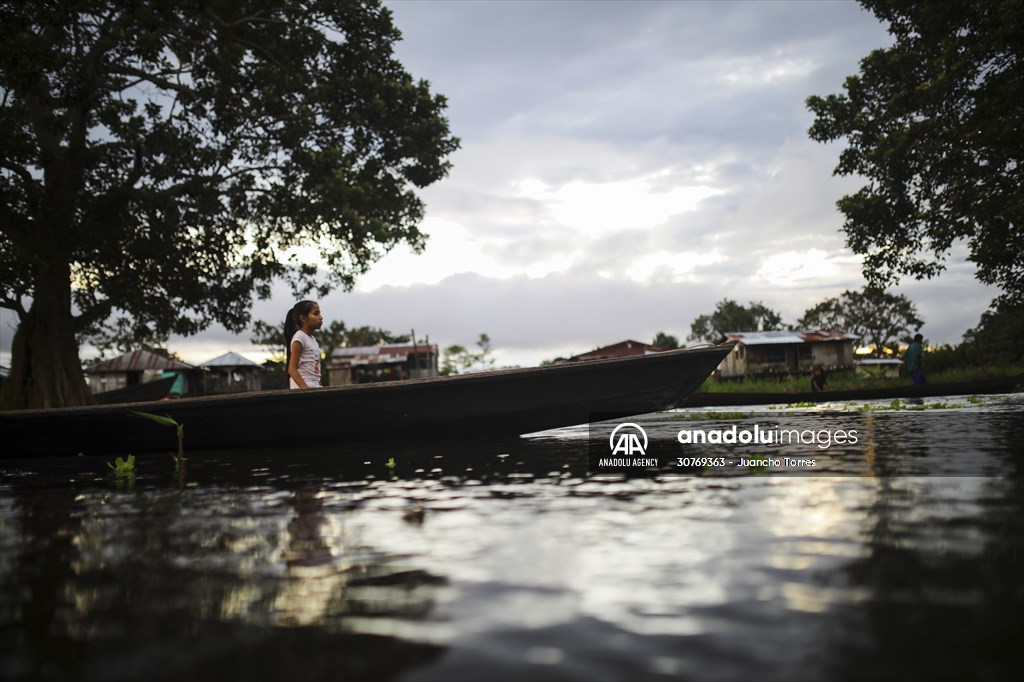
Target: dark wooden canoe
<point>980,387</point>
<point>489,404</point>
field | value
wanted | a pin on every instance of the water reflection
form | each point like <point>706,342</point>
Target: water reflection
<point>505,561</point>
<point>942,576</point>
<point>161,584</point>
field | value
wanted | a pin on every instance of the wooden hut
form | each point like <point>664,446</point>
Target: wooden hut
<point>231,373</point>
<point>140,366</point>
<point>782,353</point>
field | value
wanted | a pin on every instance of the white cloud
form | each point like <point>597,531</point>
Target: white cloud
<point>598,208</point>
<point>765,69</point>
<point>450,249</point>
<point>789,267</point>
<point>665,266</point>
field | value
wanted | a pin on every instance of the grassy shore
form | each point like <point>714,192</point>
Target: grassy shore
<point>839,381</point>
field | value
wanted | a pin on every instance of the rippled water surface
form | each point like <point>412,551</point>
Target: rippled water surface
<point>506,561</point>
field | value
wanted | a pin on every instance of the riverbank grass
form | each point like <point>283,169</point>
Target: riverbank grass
<point>842,381</point>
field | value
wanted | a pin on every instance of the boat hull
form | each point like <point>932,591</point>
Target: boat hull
<point>909,391</point>
<point>491,404</point>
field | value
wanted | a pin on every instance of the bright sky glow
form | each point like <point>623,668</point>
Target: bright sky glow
<point>755,71</point>
<point>600,208</point>
<point>668,266</point>
<point>451,249</point>
<point>796,267</point>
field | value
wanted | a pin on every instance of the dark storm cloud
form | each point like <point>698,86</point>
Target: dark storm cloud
<point>602,68</point>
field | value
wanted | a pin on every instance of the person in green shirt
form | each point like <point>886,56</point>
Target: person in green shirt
<point>914,360</point>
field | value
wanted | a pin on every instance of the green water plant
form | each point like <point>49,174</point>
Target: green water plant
<point>698,416</point>
<point>123,467</point>
<point>896,404</point>
<point>167,421</point>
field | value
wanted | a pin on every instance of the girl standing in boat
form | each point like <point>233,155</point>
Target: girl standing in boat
<point>301,349</point>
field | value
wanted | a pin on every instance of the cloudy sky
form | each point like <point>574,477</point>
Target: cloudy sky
<point>624,166</point>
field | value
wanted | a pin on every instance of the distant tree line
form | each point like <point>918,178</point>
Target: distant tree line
<point>881,321</point>
<point>997,341</point>
<point>457,359</point>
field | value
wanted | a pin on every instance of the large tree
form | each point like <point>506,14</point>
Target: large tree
<point>879,319</point>
<point>935,124</point>
<point>730,316</point>
<point>161,162</point>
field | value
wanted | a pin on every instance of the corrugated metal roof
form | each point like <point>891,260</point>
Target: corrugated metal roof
<point>878,361</point>
<point>351,351</point>
<point>782,336</point>
<point>137,360</point>
<point>229,359</point>
<point>380,359</point>
<point>759,338</point>
<point>828,335</point>
<point>388,349</point>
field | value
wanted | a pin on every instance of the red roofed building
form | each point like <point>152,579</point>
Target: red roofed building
<point>622,349</point>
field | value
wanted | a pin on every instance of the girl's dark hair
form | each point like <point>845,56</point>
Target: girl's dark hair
<point>292,325</point>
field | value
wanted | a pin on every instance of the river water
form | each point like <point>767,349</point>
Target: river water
<point>509,561</point>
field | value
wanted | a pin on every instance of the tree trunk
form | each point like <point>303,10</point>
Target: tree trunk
<point>45,369</point>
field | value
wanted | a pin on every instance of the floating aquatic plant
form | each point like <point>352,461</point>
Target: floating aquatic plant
<point>698,416</point>
<point>123,467</point>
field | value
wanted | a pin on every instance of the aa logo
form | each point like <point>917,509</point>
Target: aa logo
<point>626,440</point>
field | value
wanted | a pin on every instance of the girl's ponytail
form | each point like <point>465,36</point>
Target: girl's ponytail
<point>290,328</point>
<point>291,325</point>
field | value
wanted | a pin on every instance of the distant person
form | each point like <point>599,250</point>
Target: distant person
<point>914,360</point>
<point>818,382</point>
<point>301,349</point>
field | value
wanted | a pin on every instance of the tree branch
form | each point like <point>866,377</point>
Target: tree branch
<point>154,78</point>
<point>20,171</point>
<point>254,19</point>
<point>255,47</point>
<point>15,304</point>
<point>15,225</point>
